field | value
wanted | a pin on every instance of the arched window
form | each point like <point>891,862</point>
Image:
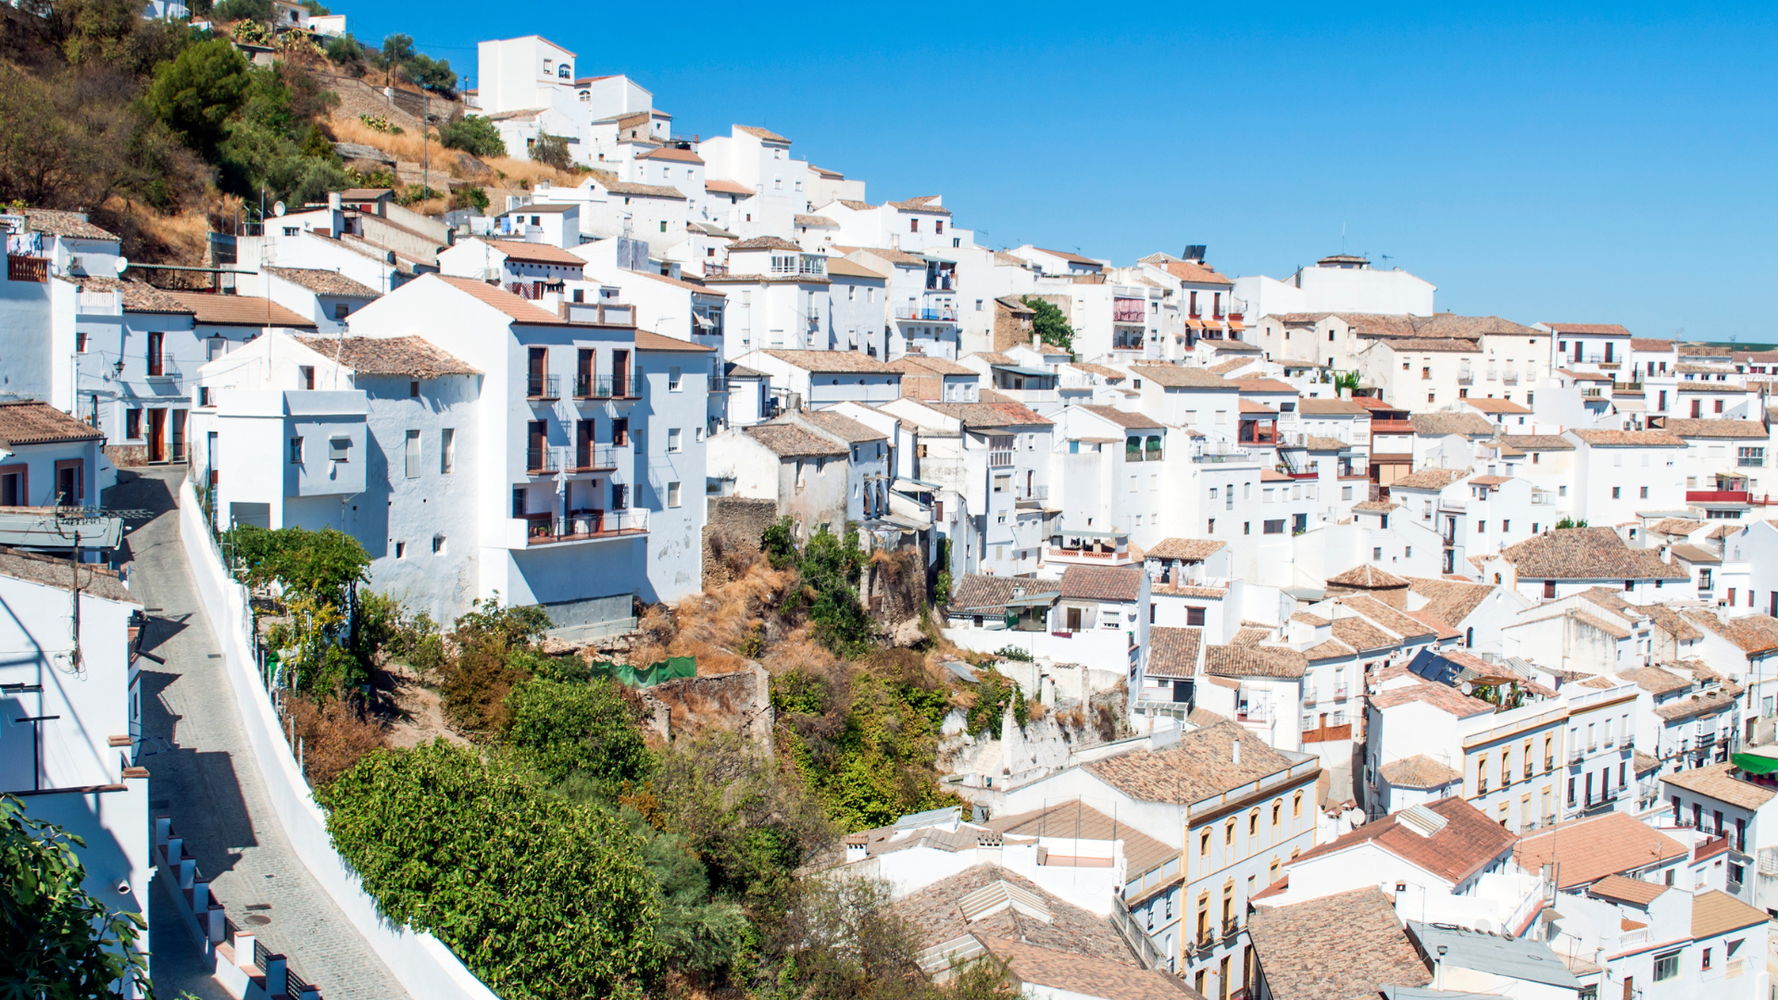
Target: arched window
<point>564,72</point>
<point>1469,637</point>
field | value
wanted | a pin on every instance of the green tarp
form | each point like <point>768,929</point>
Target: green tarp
<point>1754,763</point>
<point>670,669</point>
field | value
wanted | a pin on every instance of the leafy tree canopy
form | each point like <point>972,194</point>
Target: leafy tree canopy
<point>61,943</point>
<point>326,564</point>
<point>564,727</point>
<point>1049,324</point>
<point>198,91</point>
<point>474,135</point>
<point>540,896</point>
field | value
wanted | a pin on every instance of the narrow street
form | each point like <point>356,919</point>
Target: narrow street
<point>203,773</point>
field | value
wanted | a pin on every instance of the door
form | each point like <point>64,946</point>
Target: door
<point>535,370</point>
<point>1697,408</point>
<point>14,485</point>
<point>1074,619</point>
<point>620,373</point>
<point>583,445</point>
<point>536,438</point>
<point>156,364</point>
<point>157,434</point>
<point>179,434</point>
<point>620,431</point>
<point>583,374</point>
<point>1608,346</point>
<point>68,484</point>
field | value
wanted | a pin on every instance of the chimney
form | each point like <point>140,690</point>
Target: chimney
<point>1235,748</point>
<point>333,200</point>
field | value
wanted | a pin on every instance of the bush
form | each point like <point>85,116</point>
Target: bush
<point>474,135</point>
<point>490,640</point>
<point>563,727</point>
<point>197,92</point>
<point>539,896</point>
<point>473,199</point>
<point>1049,324</point>
<point>242,10</point>
<point>552,150</point>
<point>335,733</point>
<point>1012,652</point>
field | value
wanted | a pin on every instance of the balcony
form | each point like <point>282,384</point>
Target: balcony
<point>1311,697</point>
<point>1258,712</point>
<point>1465,378</point>
<point>927,314</point>
<point>715,270</point>
<point>1510,378</point>
<point>718,383</point>
<point>163,368</point>
<point>1718,496</point>
<point>1340,693</point>
<point>999,459</point>
<point>1031,494</point>
<point>941,282</point>
<point>584,525</point>
<point>543,386</point>
<point>1129,311</point>
<point>592,387</point>
<point>590,457</point>
<point>27,268</point>
<point>545,461</point>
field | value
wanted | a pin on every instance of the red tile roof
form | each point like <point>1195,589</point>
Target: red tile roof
<point>1467,843</point>
<point>1591,849</point>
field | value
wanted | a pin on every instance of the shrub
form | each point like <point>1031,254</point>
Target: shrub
<point>472,198</point>
<point>1049,324</point>
<point>563,727</point>
<point>474,135</point>
<point>242,10</point>
<point>541,897</point>
<point>1012,652</point>
<point>553,151</point>
<point>335,733</point>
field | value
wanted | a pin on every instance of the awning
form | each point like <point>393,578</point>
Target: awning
<point>1754,763</point>
<point>1195,324</point>
<point>698,319</point>
<point>1016,370</point>
<point>1236,326</point>
<point>1211,324</point>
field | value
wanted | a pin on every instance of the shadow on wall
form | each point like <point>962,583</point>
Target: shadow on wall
<point>200,790</point>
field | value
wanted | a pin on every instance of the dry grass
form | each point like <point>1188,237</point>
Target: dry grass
<point>148,235</point>
<point>408,148</point>
<point>334,734</point>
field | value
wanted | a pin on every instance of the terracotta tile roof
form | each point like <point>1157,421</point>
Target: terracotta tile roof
<point>1330,407</point>
<point>28,421</point>
<point>760,133</point>
<point>238,310</point>
<point>1368,576</point>
<point>844,427</point>
<point>729,187</point>
<point>1587,554</point>
<point>1472,425</point>
<point>138,296</point>
<point>1630,439</point>
<point>1072,258</point>
<point>1330,649</point>
<point>898,257</point>
<point>1108,374</point>
<point>1701,386</point>
<point>1694,553</point>
<point>95,581</point>
<point>1591,849</point>
<point>1419,771</point>
<point>1231,365</point>
<point>791,441</point>
<point>1643,763</point>
<point>70,224</point>
<point>1654,680</point>
<point>989,413</point>
<point>924,203</point>
<point>1102,583</point>
<point>840,267</point>
<point>1374,505</point>
<point>1254,661</point>
<point>535,253</point>
<point>1385,616</point>
<point>1123,418</point>
<point>648,340</point>
<point>1249,635</point>
<point>1716,912</point>
<point>1608,328</point>
<point>516,309</point>
<point>1440,696</point>
<point>1718,781</point>
<point>1176,377</point>
<point>616,185</point>
<point>1295,944</point>
<point>922,364</point>
<point>1537,442</point>
<point>1270,385</point>
<point>1249,406</point>
<point>1188,549</point>
<point>412,356</point>
<point>1362,635</point>
<point>764,243</point>
<point>985,594</point>
<point>1429,345</point>
<point>937,917</point>
<point>1197,767</point>
<point>1047,971</point>
<point>1675,526</point>
<point>323,282</point>
<point>1718,700</point>
<point>1726,429</point>
<point>1467,843</point>
<point>858,206</point>
<point>1450,600</point>
<point>1073,819</point>
<point>1621,889</point>
<point>1173,652</point>
<point>1495,405</point>
<point>1650,344</point>
<point>823,362</point>
<point>818,221</point>
<point>1752,633</point>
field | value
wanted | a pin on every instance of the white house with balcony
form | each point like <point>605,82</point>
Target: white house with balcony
<point>778,297</point>
<point>71,728</point>
<point>920,299</point>
<point>772,186</point>
<point>529,270</point>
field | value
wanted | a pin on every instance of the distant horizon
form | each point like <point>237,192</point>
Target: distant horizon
<point>1594,163</point>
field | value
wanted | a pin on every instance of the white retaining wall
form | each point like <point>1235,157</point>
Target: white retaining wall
<point>422,963</point>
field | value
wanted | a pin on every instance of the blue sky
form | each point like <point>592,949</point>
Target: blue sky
<point>1583,164</point>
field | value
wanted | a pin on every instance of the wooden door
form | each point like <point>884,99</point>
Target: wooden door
<point>157,434</point>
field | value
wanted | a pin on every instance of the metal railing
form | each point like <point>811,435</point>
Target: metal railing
<point>1129,311</point>
<point>718,383</point>
<point>586,524</point>
<point>27,268</point>
<point>927,313</point>
<point>592,387</point>
<point>545,460</point>
<point>165,366</point>
<point>543,386</point>
<point>588,456</point>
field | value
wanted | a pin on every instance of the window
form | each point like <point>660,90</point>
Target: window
<point>673,439</point>
<point>79,342</point>
<point>1666,966</point>
<point>132,423</point>
<point>413,454</point>
<point>1296,806</point>
<point>307,377</point>
<point>401,550</point>
<point>339,449</point>
<point>296,451</point>
<point>447,451</point>
<point>340,309</point>
<point>663,225</point>
<point>1253,823</point>
<point>438,545</point>
<point>1751,457</point>
<point>413,390</point>
<point>1228,834</point>
<point>1617,492</point>
<point>1644,493</point>
<point>672,494</point>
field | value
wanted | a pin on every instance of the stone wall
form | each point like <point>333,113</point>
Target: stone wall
<point>732,525</point>
<point>740,701</point>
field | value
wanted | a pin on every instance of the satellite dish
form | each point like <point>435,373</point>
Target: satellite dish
<point>278,209</point>
<point>1468,688</point>
<point>122,264</point>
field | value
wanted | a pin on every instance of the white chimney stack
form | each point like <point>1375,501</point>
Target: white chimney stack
<point>1236,745</point>
<point>333,200</point>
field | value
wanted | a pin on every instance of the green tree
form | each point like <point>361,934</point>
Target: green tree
<point>541,897</point>
<point>473,199</point>
<point>243,10</point>
<point>564,727</point>
<point>1569,522</point>
<point>699,933</point>
<point>61,943</point>
<point>328,563</point>
<point>1049,323</point>
<point>474,135</point>
<point>552,150</point>
<point>197,92</point>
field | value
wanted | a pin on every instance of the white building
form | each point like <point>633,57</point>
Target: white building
<point>1338,283</point>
